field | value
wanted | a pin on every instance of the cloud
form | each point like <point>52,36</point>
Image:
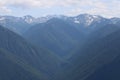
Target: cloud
<point>49,3</point>
<point>5,10</point>
<point>72,7</point>
<point>29,3</point>
<point>105,8</point>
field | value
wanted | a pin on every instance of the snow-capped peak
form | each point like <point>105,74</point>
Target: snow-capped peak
<point>28,19</point>
<point>86,19</point>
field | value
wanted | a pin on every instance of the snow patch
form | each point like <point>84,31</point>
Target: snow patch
<point>76,21</point>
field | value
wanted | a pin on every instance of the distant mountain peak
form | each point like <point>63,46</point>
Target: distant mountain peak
<point>28,18</point>
<point>86,19</point>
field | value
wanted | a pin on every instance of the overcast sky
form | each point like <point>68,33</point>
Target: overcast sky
<point>36,8</point>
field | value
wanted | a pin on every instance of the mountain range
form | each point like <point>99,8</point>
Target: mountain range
<point>22,24</point>
<point>84,47</point>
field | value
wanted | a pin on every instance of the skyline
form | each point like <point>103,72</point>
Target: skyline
<point>39,8</point>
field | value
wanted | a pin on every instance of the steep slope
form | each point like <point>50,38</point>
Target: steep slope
<point>111,70</point>
<point>95,59</point>
<point>56,35</point>
<point>21,60</point>
<point>12,69</point>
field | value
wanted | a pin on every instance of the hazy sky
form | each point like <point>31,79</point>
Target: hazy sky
<point>106,8</point>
